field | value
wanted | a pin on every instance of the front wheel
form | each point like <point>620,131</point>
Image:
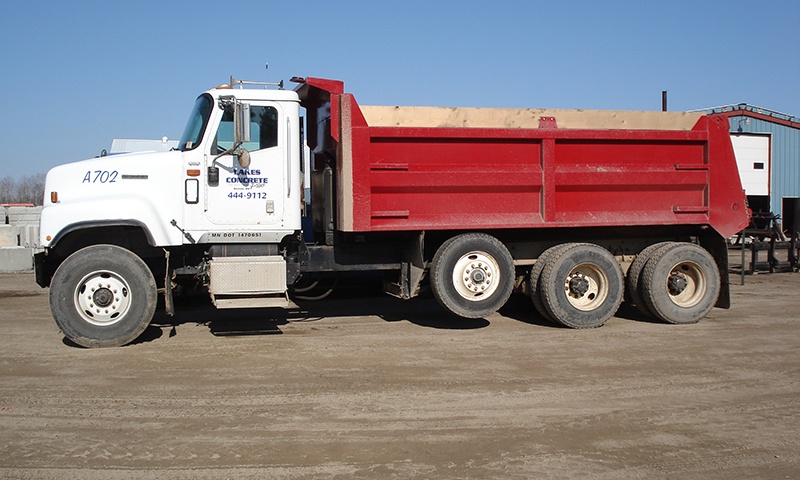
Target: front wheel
<point>472,275</point>
<point>103,296</point>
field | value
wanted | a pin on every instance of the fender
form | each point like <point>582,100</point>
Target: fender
<point>75,227</point>
<point>86,233</point>
<point>63,218</point>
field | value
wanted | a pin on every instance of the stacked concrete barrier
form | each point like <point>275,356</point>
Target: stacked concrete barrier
<point>19,237</point>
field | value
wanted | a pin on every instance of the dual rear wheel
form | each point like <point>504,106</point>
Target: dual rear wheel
<point>675,282</point>
<point>578,285</point>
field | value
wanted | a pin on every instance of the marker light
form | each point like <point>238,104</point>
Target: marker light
<point>53,197</point>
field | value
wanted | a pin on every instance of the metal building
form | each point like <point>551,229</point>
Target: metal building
<point>767,145</point>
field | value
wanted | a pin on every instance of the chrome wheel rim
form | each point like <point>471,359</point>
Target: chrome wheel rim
<point>102,298</point>
<point>476,276</point>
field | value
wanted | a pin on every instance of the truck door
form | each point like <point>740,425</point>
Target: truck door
<point>249,194</point>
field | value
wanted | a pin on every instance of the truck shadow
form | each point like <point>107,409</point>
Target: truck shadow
<point>423,312</point>
<point>629,312</point>
<point>519,308</point>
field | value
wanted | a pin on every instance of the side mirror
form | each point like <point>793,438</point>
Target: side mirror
<point>243,157</point>
<point>241,122</point>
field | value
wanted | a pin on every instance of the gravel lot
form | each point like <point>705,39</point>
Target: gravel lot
<point>380,388</point>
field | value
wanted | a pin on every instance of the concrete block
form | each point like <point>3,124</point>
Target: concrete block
<point>23,215</point>
<point>28,236</point>
<point>8,236</point>
<point>15,259</point>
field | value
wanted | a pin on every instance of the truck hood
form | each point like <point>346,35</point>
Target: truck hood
<point>143,189</point>
<point>85,177</point>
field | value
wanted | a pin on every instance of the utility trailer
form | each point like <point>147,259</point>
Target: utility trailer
<point>572,207</point>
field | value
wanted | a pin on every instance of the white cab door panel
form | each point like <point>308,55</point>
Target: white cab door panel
<point>253,194</point>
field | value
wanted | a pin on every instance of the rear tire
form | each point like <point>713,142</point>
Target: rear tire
<point>582,285</point>
<point>103,296</point>
<point>472,275</point>
<point>632,280</point>
<point>535,278</point>
<point>680,284</point>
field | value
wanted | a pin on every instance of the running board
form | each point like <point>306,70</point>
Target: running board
<point>223,302</point>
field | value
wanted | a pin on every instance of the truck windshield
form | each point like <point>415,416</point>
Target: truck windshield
<point>193,134</point>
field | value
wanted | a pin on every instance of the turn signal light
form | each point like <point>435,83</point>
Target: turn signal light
<point>53,197</point>
<point>193,173</point>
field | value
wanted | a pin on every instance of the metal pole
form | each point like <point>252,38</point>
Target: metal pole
<point>742,244</point>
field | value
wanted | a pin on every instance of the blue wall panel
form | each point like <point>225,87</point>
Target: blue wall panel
<point>784,155</point>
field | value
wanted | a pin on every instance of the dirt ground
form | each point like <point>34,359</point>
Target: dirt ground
<point>380,388</point>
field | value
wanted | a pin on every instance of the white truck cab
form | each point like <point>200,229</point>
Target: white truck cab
<point>222,208</point>
<point>212,187</point>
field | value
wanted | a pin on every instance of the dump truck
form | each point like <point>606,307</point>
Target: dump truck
<point>577,209</point>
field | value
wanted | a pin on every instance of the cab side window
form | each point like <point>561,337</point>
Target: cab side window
<point>263,130</point>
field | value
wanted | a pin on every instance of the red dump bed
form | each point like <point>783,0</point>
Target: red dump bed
<point>411,168</point>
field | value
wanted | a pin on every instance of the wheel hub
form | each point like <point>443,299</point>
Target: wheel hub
<point>677,283</point>
<point>103,297</point>
<point>578,285</point>
<point>586,287</point>
<point>477,275</point>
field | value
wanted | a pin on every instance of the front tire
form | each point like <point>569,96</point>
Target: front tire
<point>472,275</point>
<point>103,296</point>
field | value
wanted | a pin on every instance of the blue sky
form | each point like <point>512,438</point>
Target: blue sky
<point>79,74</point>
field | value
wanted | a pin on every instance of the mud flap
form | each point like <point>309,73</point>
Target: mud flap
<point>718,248</point>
